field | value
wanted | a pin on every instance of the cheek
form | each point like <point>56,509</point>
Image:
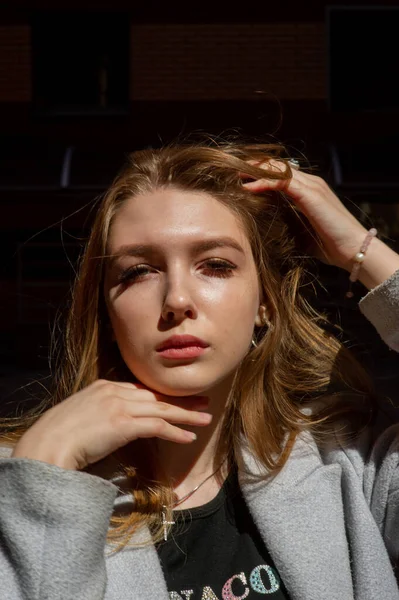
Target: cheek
<point>234,319</point>
<point>131,319</point>
<point>135,302</point>
<point>242,302</point>
<point>236,328</point>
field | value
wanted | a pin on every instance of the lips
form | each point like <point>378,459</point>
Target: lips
<point>181,341</point>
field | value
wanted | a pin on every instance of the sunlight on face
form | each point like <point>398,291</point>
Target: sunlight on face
<point>182,266</point>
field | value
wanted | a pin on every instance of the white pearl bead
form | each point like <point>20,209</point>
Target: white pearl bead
<point>359,257</point>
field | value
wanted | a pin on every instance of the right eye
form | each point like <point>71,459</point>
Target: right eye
<point>134,273</point>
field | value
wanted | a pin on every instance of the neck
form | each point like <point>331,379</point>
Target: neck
<point>188,466</point>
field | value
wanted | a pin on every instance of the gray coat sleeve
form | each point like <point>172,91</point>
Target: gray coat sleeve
<point>53,525</point>
<point>381,474</point>
<point>381,307</point>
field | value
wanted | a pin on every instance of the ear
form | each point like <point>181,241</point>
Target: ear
<point>262,316</point>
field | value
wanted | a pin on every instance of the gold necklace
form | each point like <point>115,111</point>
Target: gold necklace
<point>165,523</point>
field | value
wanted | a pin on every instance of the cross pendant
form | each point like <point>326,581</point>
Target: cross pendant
<point>165,523</point>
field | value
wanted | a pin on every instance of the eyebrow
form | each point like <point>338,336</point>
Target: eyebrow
<point>196,248</point>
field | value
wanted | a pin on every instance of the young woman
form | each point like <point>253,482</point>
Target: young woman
<point>203,418</point>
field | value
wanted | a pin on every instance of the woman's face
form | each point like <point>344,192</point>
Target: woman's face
<point>182,266</point>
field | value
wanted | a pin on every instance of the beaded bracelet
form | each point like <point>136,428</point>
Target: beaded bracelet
<point>359,258</point>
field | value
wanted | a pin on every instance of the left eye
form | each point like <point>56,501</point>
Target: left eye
<point>218,268</point>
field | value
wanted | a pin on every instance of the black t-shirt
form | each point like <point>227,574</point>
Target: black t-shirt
<point>215,552</point>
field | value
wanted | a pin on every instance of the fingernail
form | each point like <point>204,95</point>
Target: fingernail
<point>206,417</point>
<point>192,436</point>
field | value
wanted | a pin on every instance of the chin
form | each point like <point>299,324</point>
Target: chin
<point>178,390</point>
<point>180,383</point>
<point>186,377</point>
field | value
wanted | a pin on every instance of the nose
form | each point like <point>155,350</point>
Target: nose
<point>178,303</point>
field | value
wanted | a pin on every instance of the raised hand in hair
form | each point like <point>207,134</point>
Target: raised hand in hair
<point>339,235</point>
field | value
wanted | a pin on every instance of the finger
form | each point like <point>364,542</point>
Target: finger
<point>145,397</point>
<point>262,185</point>
<point>167,412</point>
<point>293,187</point>
<point>272,165</point>
<point>306,191</point>
<point>197,401</point>
<point>303,188</point>
<point>275,165</point>
<point>153,427</point>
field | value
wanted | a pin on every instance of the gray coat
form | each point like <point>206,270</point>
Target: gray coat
<point>330,519</point>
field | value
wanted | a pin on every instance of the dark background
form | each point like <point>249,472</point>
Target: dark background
<point>80,86</point>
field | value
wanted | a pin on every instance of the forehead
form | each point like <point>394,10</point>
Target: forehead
<point>168,215</point>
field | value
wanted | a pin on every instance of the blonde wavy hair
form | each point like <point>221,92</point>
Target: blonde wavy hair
<point>296,363</point>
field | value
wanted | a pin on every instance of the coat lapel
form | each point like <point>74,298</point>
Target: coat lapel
<point>135,573</point>
<point>300,516</point>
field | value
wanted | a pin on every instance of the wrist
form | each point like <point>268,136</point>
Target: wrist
<point>24,450</point>
<point>380,262</point>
